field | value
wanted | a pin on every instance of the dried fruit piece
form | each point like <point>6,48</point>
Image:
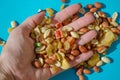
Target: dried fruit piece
<point>105,59</point>
<point>49,49</point>
<point>59,45</point>
<point>94,59</point>
<point>65,64</point>
<point>58,25</point>
<point>58,34</point>
<point>54,69</point>
<point>62,7</point>
<point>50,12</point>
<point>107,38</point>
<point>10,30</point>
<point>49,40</point>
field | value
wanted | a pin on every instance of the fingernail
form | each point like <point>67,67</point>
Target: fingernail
<point>39,10</point>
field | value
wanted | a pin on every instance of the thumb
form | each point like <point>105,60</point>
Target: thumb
<point>32,21</point>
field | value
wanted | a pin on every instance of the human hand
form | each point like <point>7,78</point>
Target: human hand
<point>18,53</point>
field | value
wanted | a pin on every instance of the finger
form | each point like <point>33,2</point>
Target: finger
<point>82,22</point>
<point>81,58</point>
<point>87,37</point>
<point>66,13</point>
<point>32,21</point>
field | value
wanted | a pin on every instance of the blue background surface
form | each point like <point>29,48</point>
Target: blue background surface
<point>19,10</point>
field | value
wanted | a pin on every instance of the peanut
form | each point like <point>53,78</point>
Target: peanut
<point>74,46</point>
<point>49,61</point>
<point>84,30</point>
<point>86,71</point>
<point>109,19</point>
<point>89,6</point>
<point>36,64</point>
<point>98,5</point>
<point>118,27</point>
<point>79,71</point>
<point>105,24</point>
<point>93,9</point>
<point>102,14</point>
<point>75,52</point>
<point>64,1</point>
<point>71,57</point>
<point>115,30</point>
<point>81,77</point>
<point>102,49</point>
<point>96,69</point>
<point>46,65</point>
<point>83,49</point>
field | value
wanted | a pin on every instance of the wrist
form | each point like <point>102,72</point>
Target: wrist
<point>5,74</point>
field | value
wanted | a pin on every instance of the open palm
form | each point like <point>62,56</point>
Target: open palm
<point>18,53</point>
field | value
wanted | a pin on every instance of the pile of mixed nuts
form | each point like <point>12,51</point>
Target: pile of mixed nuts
<point>55,45</point>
